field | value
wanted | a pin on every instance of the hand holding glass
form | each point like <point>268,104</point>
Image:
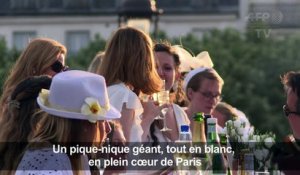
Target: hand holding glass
<point>164,98</point>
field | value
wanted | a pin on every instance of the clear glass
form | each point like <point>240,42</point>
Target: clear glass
<point>163,97</point>
<point>155,98</point>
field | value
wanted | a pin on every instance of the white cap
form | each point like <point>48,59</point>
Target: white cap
<point>212,121</point>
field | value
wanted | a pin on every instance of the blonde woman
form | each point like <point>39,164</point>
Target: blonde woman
<point>129,69</point>
<point>41,56</point>
<point>74,104</point>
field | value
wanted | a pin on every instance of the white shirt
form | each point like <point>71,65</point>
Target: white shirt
<point>119,95</point>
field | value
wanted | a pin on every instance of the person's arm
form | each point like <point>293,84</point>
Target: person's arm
<point>118,135</point>
<point>150,112</point>
<point>127,121</point>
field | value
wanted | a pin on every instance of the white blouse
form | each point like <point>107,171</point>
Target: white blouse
<point>120,95</point>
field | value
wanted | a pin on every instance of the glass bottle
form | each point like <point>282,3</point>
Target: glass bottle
<point>199,128</point>
<point>212,134</point>
<point>198,134</point>
<point>185,140</point>
<point>185,135</point>
<point>218,161</point>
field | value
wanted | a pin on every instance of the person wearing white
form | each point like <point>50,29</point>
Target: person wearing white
<point>168,65</point>
<point>120,95</point>
<point>74,104</point>
<point>129,69</point>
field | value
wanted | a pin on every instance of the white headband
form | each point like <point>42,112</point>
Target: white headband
<point>191,74</point>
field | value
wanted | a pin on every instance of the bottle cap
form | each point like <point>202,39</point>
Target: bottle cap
<point>199,116</point>
<point>212,121</point>
<point>184,128</point>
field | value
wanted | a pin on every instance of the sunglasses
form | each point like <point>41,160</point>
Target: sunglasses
<point>58,67</point>
<point>287,111</point>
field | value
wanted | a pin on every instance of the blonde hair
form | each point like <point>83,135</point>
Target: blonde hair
<point>52,129</point>
<point>37,57</point>
<point>227,110</point>
<point>94,66</point>
<point>129,58</point>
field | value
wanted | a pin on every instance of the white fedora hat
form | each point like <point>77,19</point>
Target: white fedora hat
<point>78,95</point>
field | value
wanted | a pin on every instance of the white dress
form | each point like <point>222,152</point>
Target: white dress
<point>119,95</point>
<point>45,161</point>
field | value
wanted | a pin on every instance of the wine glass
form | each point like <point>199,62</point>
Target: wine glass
<point>164,98</point>
<point>145,98</point>
<point>155,98</point>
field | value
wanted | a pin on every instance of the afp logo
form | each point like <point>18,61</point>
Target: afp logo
<point>273,17</point>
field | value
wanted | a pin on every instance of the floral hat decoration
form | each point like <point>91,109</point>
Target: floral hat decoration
<point>78,95</point>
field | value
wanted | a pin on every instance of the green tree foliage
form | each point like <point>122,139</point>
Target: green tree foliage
<point>251,66</point>
<point>250,63</point>
<point>82,59</point>
<point>7,59</point>
<point>160,36</point>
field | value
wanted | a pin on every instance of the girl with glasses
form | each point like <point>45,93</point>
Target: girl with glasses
<point>203,87</point>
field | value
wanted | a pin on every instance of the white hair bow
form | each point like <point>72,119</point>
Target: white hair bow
<point>189,62</point>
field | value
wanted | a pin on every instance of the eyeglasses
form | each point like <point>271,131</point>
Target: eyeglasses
<point>58,67</point>
<point>287,111</point>
<point>209,95</point>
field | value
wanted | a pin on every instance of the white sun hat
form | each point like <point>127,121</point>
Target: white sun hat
<point>78,95</point>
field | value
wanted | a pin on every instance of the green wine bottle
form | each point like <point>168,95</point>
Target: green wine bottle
<point>198,128</point>
<point>218,161</point>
